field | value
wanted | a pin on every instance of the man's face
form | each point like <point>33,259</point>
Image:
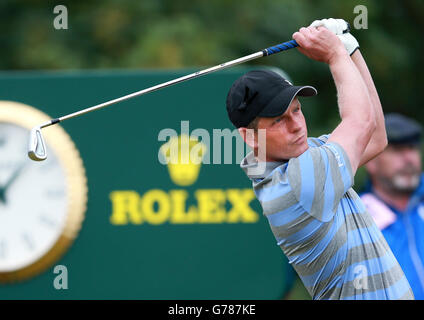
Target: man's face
<point>286,135</point>
<point>397,169</point>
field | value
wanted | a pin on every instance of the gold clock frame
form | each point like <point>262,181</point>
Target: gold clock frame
<point>76,184</point>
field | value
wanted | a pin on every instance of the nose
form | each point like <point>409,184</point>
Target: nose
<point>411,156</point>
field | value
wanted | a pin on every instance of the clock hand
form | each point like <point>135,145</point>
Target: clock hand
<point>11,180</point>
<point>2,195</point>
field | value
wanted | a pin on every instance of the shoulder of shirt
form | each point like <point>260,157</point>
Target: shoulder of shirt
<point>280,171</point>
<point>276,176</point>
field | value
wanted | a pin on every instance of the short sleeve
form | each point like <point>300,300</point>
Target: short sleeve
<point>319,178</point>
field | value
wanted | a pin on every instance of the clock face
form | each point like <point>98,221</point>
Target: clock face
<point>42,204</point>
<point>33,200</point>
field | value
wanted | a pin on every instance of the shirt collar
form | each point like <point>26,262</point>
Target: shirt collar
<point>258,170</point>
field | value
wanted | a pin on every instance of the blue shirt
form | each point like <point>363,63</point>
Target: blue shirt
<point>405,235</point>
<point>322,226</point>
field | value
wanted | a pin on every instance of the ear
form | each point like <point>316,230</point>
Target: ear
<point>249,136</point>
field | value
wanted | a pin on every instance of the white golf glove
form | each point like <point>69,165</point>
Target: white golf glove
<point>341,29</point>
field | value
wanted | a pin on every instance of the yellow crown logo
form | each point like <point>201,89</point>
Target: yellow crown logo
<point>184,156</point>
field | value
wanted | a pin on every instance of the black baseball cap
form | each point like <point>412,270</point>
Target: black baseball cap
<point>261,93</point>
<point>402,130</point>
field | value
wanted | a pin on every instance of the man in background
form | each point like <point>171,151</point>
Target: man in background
<point>395,197</point>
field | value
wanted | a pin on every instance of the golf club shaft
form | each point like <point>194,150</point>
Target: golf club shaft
<point>266,52</point>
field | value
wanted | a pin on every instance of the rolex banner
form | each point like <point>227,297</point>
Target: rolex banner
<point>169,214</point>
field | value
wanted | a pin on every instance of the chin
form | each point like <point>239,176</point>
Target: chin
<point>301,149</point>
<point>294,154</point>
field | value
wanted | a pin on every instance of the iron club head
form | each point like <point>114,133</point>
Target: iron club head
<point>37,148</point>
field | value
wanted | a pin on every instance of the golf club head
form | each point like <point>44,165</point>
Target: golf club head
<point>37,148</point>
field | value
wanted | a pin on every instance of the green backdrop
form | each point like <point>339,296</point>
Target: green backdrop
<point>119,146</point>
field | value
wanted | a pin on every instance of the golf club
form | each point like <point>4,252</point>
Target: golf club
<point>37,148</point>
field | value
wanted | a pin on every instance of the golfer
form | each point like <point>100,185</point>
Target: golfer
<point>305,187</point>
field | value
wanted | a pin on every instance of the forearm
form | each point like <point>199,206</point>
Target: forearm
<point>358,120</point>
<point>353,96</point>
<point>378,140</point>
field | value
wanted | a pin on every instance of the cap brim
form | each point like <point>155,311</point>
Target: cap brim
<point>281,102</point>
<point>402,130</point>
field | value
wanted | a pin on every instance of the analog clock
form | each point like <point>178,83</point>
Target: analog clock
<point>42,204</point>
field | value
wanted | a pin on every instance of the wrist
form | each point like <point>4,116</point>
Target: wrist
<point>339,55</point>
<point>355,52</point>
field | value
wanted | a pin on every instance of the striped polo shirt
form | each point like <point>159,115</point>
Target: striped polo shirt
<point>323,228</point>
